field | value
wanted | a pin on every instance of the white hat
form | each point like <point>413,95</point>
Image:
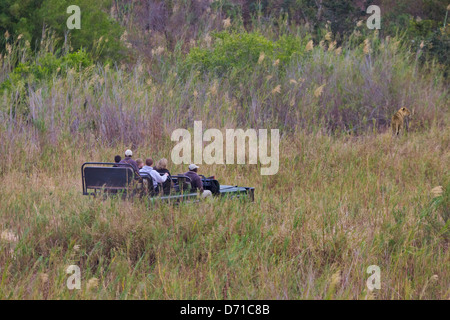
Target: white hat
<point>192,166</point>
<point>128,153</point>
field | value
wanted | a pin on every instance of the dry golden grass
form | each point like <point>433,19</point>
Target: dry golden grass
<point>337,206</point>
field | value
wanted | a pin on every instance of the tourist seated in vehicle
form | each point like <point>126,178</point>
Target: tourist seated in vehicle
<point>128,160</point>
<point>196,181</point>
<point>140,163</point>
<point>148,170</point>
<point>161,168</point>
<point>117,160</point>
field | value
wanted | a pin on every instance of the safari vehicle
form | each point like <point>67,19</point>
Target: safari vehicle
<point>104,178</point>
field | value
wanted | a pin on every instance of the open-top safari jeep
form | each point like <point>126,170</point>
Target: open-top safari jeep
<point>109,178</point>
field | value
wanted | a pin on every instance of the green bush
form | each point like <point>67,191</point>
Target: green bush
<point>433,39</point>
<point>28,18</point>
<point>45,67</point>
<point>240,52</point>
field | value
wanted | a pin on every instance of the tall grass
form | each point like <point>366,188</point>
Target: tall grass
<point>336,207</point>
<point>115,104</point>
<point>347,195</point>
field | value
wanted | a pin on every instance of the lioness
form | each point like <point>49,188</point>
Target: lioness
<point>399,119</point>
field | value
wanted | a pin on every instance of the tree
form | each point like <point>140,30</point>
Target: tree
<point>29,17</point>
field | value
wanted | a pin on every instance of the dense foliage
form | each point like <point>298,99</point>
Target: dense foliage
<point>347,194</point>
<point>30,18</point>
<point>242,52</point>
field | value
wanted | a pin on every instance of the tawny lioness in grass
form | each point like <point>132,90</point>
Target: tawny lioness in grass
<point>399,120</point>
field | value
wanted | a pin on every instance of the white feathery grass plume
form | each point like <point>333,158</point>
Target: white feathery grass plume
<point>277,89</point>
<point>124,36</point>
<point>318,91</point>
<point>437,191</point>
<point>332,46</point>
<point>292,101</point>
<point>214,87</point>
<point>208,40</point>
<point>226,23</point>
<point>309,45</point>
<point>261,58</point>
<point>43,277</point>
<point>366,46</point>
<point>336,278</point>
<point>9,236</point>
<point>92,284</point>
<point>159,50</point>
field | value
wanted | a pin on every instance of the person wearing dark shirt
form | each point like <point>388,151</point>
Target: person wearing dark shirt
<point>128,160</point>
<point>161,166</point>
<point>196,181</point>
<point>117,160</point>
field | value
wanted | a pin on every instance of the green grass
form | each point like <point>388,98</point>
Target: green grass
<point>347,196</point>
<point>337,206</point>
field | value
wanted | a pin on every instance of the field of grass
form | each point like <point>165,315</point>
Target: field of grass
<point>348,195</point>
<point>337,206</point>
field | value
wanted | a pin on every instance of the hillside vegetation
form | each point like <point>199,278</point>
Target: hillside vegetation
<point>348,195</point>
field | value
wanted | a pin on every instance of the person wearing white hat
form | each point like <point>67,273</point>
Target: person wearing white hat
<point>196,182</point>
<point>129,160</point>
<point>193,167</point>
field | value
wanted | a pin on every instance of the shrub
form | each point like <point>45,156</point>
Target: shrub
<point>37,72</point>
<point>28,18</point>
<point>240,52</point>
<point>432,39</point>
<point>44,67</point>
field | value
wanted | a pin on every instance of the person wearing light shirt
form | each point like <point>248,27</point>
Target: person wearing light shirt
<point>148,169</point>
